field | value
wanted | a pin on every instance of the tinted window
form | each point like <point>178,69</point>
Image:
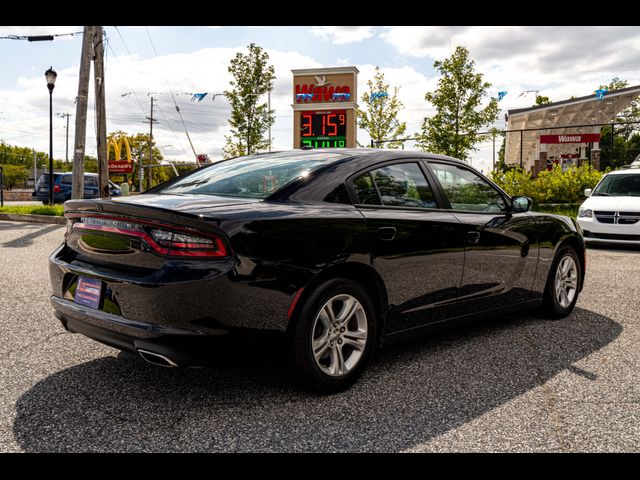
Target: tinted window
<point>256,176</point>
<point>365,190</point>
<point>466,190</point>
<point>403,185</point>
<point>93,181</point>
<point>67,179</point>
<point>338,195</point>
<point>44,180</point>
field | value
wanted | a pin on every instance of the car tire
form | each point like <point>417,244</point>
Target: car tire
<point>45,202</point>
<point>342,351</point>
<point>563,284</point>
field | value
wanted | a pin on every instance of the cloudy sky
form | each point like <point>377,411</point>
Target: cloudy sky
<point>557,61</point>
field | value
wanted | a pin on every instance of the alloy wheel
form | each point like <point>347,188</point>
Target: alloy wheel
<point>339,335</point>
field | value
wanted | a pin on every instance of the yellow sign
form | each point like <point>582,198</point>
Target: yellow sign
<point>117,148</point>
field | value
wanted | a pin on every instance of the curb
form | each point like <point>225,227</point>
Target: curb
<point>34,218</point>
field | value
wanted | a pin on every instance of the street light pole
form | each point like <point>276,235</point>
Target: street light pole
<point>51,76</point>
<point>269,108</point>
<point>67,115</point>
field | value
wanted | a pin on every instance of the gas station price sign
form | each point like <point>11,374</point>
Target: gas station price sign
<point>323,128</point>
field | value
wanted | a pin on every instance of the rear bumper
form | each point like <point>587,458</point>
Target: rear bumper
<point>181,298</point>
<point>118,332</point>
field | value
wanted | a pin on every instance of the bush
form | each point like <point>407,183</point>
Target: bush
<point>13,175</point>
<point>57,210</point>
<point>554,186</point>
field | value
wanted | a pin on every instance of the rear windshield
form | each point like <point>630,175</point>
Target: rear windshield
<point>623,185</point>
<point>44,179</point>
<point>256,176</point>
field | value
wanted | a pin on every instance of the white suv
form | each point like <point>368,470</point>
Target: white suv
<point>611,214</point>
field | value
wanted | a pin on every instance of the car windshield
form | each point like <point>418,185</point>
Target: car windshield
<point>627,184</point>
<point>256,176</point>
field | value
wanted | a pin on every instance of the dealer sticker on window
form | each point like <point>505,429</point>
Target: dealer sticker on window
<point>88,292</point>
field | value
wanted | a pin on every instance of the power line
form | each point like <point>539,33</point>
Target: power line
<point>173,97</point>
<point>39,38</point>
<point>135,94</point>
<point>124,43</point>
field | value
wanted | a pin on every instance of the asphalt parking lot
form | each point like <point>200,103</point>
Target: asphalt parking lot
<point>513,383</point>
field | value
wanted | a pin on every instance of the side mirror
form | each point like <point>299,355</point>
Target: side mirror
<point>587,192</point>
<point>521,204</point>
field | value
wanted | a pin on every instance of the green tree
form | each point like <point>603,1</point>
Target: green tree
<point>626,142</point>
<point>459,111</point>
<point>252,78</point>
<point>380,118</point>
<point>13,175</point>
<point>541,100</point>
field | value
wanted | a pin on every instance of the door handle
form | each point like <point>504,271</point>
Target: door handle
<point>473,236</point>
<point>387,233</point>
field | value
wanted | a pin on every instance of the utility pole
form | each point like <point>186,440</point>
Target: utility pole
<point>77,190</point>
<point>63,115</point>
<point>101,116</point>
<point>35,169</point>
<point>150,157</point>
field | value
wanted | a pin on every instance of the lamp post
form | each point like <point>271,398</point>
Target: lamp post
<point>51,76</point>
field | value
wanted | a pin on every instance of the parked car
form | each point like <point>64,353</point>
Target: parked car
<point>62,187</point>
<point>611,213</point>
<point>340,251</point>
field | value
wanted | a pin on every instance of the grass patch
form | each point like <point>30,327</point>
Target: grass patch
<point>56,211</point>
<point>568,209</point>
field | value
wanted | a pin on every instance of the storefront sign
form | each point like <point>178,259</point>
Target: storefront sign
<point>570,138</point>
<point>121,166</point>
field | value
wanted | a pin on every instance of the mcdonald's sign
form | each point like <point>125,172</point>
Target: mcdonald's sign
<point>118,165</point>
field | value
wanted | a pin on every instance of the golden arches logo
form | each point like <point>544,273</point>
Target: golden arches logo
<point>117,148</point>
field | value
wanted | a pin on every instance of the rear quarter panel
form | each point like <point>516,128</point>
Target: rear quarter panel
<point>553,232</point>
<point>278,248</point>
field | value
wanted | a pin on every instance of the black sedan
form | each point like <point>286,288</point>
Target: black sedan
<point>338,250</point>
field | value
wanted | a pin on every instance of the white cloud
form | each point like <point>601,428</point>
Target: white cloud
<point>343,34</point>
<point>24,109</point>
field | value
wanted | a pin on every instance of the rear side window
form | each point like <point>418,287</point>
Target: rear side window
<point>366,190</point>
<point>400,185</point>
<point>66,179</point>
<point>93,181</point>
<point>338,195</point>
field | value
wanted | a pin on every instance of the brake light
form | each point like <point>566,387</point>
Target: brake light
<point>56,189</point>
<point>167,240</point>
<point>185,245</point>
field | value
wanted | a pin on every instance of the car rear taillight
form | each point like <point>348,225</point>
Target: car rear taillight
<point>185,245</point>
<point>56,189</point>
<point>163,239</point>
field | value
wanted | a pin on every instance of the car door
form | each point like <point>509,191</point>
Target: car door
<point>501,249</point>
<point>416,245</point>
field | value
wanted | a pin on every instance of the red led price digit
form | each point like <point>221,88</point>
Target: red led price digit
<point>305,126</point>
<point>332,124</point>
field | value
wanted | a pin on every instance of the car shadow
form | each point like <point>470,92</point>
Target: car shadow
<point>36,230</point>
<point>411,393</point>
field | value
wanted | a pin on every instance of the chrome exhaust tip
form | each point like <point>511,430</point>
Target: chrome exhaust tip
<point>156,359</point>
